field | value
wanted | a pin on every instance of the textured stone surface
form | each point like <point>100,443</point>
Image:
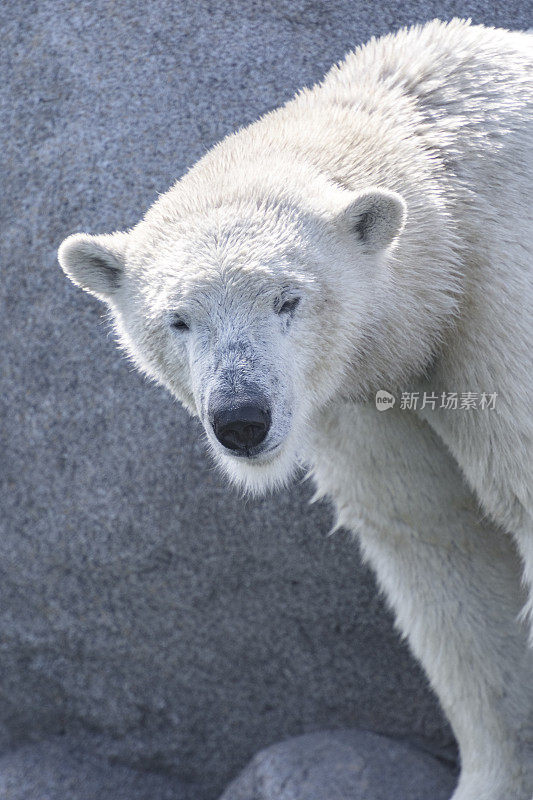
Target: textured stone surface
<point>139,597</point>
<point>342,765</point>
<point>63,769</point>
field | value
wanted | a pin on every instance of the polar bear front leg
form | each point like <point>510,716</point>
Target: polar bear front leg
<point>458,604</point>
<point>452,579</point>
<point>524,541</point>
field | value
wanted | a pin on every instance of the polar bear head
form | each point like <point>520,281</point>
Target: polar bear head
<point>256,309</point>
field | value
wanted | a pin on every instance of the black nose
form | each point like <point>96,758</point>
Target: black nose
<point>241,427</point>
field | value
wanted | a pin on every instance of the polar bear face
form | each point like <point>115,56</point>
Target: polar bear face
<point>248,314</point>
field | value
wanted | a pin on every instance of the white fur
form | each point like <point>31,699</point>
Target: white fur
<point>392,201</point>
<point>453,582</point>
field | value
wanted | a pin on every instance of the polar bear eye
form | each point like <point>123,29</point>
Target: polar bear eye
<point>179,324</point>
<point>289,306</point>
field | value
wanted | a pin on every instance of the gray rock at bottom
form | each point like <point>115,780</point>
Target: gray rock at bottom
<point>343,765</point>
<point>65,768</point>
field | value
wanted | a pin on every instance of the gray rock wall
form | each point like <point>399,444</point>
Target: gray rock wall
<point>140,598</point>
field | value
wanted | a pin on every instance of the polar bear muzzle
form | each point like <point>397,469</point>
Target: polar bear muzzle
<point>242,427</point>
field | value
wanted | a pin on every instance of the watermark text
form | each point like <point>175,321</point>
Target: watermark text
<point>450,401</point>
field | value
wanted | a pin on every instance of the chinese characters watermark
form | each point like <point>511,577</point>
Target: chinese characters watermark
<point>450,401</point>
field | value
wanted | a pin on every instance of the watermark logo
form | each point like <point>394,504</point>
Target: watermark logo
<point>450,401</point>
<point>384,400</point>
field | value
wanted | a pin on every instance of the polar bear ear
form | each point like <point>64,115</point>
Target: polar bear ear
<point>375,217</point>
<point>95,263</point>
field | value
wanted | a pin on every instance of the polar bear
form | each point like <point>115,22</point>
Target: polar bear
<point>371,235</point>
